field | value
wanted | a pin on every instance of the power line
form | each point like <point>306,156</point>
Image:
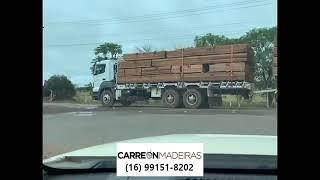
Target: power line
<point>180,16</point>
<point>168,30</point>
<point>135,40</point>
<point>195,27</point>
<point>143,16</point>
<point>152,16</point>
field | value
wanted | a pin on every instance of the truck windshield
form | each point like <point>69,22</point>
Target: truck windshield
<point>100,68</point>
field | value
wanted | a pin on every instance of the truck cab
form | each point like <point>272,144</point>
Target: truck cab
<point>104,77</point>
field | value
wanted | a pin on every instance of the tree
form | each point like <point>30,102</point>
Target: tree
<point>102,49</point>
<point>108,48</point>
<point>210,40</point>
<point>114,49</point>
<point>145,49</point>
<point>261,40</point>
<point>105,51</point>
<point>61,86</point>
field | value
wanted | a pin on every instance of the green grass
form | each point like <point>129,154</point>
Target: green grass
<point>256,101</point>
<point>84,97</point>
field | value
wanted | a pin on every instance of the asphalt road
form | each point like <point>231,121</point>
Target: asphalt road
<point>65,131</point>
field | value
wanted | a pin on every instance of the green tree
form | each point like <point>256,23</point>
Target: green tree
<point>61,86</point>
<point>210,40</point>
<point>102,49</point>
<point>108,48</point>
<point>114,49</point>
<point>105,51</point>
<point>262,42</point>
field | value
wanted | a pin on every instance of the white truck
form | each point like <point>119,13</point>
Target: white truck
<point>173,94</point>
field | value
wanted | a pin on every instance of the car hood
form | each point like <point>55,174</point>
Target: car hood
<point>213,144</point>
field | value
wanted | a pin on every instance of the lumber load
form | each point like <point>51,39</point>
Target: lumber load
<point>228,62</point>
<point>188,69</point>
<point>226,67</point>
<point>145,56</point>
<point>216,50</point>
<point>135,64</point>
<point>155,71</point>
<point>215,76</point>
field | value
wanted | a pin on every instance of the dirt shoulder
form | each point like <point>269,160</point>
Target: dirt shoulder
<point>61,107</point>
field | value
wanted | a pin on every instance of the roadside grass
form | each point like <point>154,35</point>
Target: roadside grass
<point>84,97</point>
<point>231,101</point>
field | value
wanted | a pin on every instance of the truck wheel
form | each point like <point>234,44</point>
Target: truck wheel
<point>192,98</point>
<point>171,98</point>
<point>107,98</point>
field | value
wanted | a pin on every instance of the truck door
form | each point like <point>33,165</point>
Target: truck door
<point>98,76</point>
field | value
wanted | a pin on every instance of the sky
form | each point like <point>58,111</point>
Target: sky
<point>73,28</point>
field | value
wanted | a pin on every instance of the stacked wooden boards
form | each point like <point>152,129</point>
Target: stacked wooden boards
<point>275,61</point>
<point>227,62</point>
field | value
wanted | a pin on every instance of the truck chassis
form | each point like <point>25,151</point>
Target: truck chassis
<point>175,94</point>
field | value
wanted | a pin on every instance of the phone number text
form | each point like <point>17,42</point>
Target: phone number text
<point>158,167</point>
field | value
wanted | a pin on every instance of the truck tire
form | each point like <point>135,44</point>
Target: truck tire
<point>192,98</point>
<point>171,98</point>
<point>107,98</point>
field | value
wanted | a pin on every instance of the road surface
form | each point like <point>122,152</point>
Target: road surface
<point>67,128</point>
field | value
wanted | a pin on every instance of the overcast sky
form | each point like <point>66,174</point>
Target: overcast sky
<point>73,28</point>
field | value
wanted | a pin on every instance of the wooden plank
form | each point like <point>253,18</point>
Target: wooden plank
<point>193,68</point>
<point>120,70</point>
<point>150,78</point>
<point>150,71</point>
<point>166,78</point>
<point>239,66</point>
<point>145,56</point>
<point>135,64</point>
<point>187,69</point>
<point>216,76</point>
<point>226,49</point>
<point>134,79</point>
<point>164,68</point>
<point>194,61</point>
<point>165,71</point>
<point>126,64</point>
<point>176,69</point>
<point>121,74</point>
<point>133,72</point>
<point>206,51</point>
<point>155,71</point>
